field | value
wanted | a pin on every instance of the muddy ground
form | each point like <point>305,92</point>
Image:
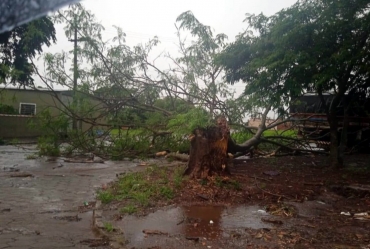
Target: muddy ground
<point>286,202</point>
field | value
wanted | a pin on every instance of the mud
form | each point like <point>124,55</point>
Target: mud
<point>306,205</point>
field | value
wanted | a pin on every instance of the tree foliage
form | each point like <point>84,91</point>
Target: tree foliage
<point>20,45</point>
<point>310,46</point>
<point>315,45</point>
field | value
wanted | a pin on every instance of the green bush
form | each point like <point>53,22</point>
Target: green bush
<point>52,127</point>
<point>7,109</point>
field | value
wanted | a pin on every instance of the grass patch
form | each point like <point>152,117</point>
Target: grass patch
<point>105,196</point>
<point>142,198</point>
<point>108,227</point>
<point>129,209</point>
<point>140,190</point>
<point>167,192</point>
<point>178,177</point>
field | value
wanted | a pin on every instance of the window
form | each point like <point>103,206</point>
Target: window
<point>27,109</point>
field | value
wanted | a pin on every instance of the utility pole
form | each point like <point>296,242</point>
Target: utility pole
<point>75,72</point>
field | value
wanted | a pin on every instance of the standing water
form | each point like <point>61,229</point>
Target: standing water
<point>210,222</point>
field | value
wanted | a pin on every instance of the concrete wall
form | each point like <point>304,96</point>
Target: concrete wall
<point>16,126</point>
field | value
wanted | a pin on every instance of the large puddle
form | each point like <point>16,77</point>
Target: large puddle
<point>210,222</point>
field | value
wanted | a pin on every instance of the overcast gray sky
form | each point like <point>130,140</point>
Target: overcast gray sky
<point>144,19</point>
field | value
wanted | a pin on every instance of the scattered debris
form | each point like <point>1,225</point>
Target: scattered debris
<point>346,213</point>
<point>258,236</point>
<point>121,174</point>
<point>181,221</point>
<point>98,160</point>
<point>271,173</point>
<point>242,158</point>
<point>10,169</point>
<point>95,242</point>
<point>281,209</point>
<point>68,218</point>
<point>178,156</point>
<point>78,161</point>
<point>162,153</point>
<point>59,166</point>
<point>361,214</point>
<point>154,232</point>
<point>235,235</point>
<point>22,175</point>
<point>273,221</point>
<point>261,211</point>
<point>196,239</point>
<point>87,206</point>
<point>203,197</point>
<point>308,225</point>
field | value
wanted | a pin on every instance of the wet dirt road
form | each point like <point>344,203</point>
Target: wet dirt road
<point>43,210</point>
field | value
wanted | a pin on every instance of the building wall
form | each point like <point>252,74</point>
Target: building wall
<point>42,99</point>
<point>17,126</point>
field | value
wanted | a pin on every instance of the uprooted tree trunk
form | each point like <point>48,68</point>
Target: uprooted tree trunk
<point>209,148</point>
<point>208,151</point>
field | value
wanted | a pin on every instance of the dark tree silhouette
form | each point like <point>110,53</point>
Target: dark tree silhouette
<point>21,44</point>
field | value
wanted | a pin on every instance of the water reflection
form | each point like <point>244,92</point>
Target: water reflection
<point>203,221</point>
<point>194,221</point>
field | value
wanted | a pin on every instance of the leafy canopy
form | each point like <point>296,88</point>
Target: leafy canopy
<point>20,45</point>
<point>315,45</point>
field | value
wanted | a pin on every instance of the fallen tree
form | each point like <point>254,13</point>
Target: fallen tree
<point>208,150</point>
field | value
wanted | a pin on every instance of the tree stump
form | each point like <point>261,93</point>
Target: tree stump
<point>208,151</point>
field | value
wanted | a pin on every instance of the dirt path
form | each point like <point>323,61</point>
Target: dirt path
<point>47,204</point>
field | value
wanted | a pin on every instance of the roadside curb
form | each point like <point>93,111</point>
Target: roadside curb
<point>98,226</point>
